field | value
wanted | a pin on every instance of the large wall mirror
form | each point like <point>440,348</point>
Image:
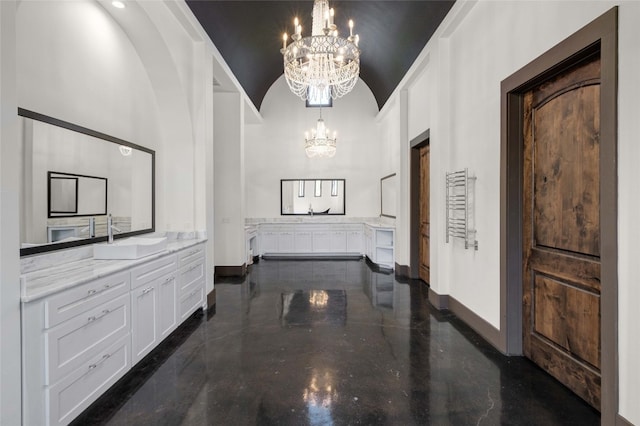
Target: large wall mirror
<point>312,197</point>
<point>388,196</point>
<point>71,174</point>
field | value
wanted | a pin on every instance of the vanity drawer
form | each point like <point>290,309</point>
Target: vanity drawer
<point>79,299</point>
<point>191,273</point>
<point>73,394</point>
<point>191,300</point>
<point>74,342</point>
<point>148,272</point>
<point>191,254</point>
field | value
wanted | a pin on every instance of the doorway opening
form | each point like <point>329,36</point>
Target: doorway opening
<point>532,287</point>
<point>420,208</point>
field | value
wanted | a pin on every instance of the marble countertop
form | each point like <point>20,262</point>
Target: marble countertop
<point>44,282</point>
<point>322,220</point>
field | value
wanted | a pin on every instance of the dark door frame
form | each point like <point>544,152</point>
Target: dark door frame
<point>414,201</point>
<point>601,34</point>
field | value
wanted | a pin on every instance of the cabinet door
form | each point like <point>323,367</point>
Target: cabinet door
<point>321,242</point>
<point>144,330</point>
<point>368,241</point>
<point>168,306</point>
<point>303,242</point>
<point>285,242</point>
<point>354,242</point>
<point>338,241</point>
<point>268,242</point>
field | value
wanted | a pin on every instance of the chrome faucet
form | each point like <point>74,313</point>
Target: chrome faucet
<point>91,227</point>
<point>110,229</point>
<point>310,210</point>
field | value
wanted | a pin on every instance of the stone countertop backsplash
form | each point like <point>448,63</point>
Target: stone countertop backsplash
<point>50,273</point>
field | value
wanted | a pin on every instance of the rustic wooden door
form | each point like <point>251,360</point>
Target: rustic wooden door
<point>424,214</point>
<point>561,228</point>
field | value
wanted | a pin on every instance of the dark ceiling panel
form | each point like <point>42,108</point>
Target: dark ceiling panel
<point>248,35</point>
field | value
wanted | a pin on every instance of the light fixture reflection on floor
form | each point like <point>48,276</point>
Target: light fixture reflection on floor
<point>319,143</point>
<point>323,59</point>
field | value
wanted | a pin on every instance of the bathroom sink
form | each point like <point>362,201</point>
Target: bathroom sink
<point>129,248</point>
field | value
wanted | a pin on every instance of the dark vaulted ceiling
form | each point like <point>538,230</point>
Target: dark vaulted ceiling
<point>248,35</point>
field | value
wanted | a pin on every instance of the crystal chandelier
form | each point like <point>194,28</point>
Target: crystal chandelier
<point>320,144</point>
<point>322,60</point>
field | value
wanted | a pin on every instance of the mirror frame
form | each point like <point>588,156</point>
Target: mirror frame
<point>344,197</point>
<point>108,138</point>
<point>382,191</point>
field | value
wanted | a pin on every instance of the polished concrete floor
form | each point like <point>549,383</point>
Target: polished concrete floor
<point>332,343</point>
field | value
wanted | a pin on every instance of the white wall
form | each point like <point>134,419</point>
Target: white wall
<point>274,150</point>
<point>76,64</point>
<point>455,92</point>
<point>229,179</point>
<point>9,216</point>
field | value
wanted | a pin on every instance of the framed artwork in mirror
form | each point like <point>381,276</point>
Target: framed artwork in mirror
<point>312,197</point>
<point>71,195</point>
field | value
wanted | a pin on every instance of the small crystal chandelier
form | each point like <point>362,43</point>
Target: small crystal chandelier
<point>320,144</point>
<point>322,60</point>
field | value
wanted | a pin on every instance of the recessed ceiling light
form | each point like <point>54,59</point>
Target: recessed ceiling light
<point>118,4</point>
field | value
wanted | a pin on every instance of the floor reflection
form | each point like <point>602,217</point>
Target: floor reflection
<point>319,396</point>
<point>285,348</point>
<point>313,307</point>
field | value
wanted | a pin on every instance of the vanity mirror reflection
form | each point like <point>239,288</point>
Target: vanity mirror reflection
<point>73,177</point>
<point>312,197</point>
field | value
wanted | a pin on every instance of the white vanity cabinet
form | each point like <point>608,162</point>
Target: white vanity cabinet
<point>191,279</point>
<point>76,344</point>
<point>306,238</point>
<point>153,304</point>
<point>380,246</point>
<point>78,340</point>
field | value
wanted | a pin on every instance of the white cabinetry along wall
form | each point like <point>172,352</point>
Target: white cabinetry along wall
<point>353,239</point>
<point>310,239</point>
<point>80,341</point>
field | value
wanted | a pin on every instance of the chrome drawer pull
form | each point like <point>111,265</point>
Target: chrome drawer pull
<point>193,293</point>
<point>92,318</point>
<point>104,358</point>
<point>169,279</point>
<point>147,290</point>
<point>92,291</point>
